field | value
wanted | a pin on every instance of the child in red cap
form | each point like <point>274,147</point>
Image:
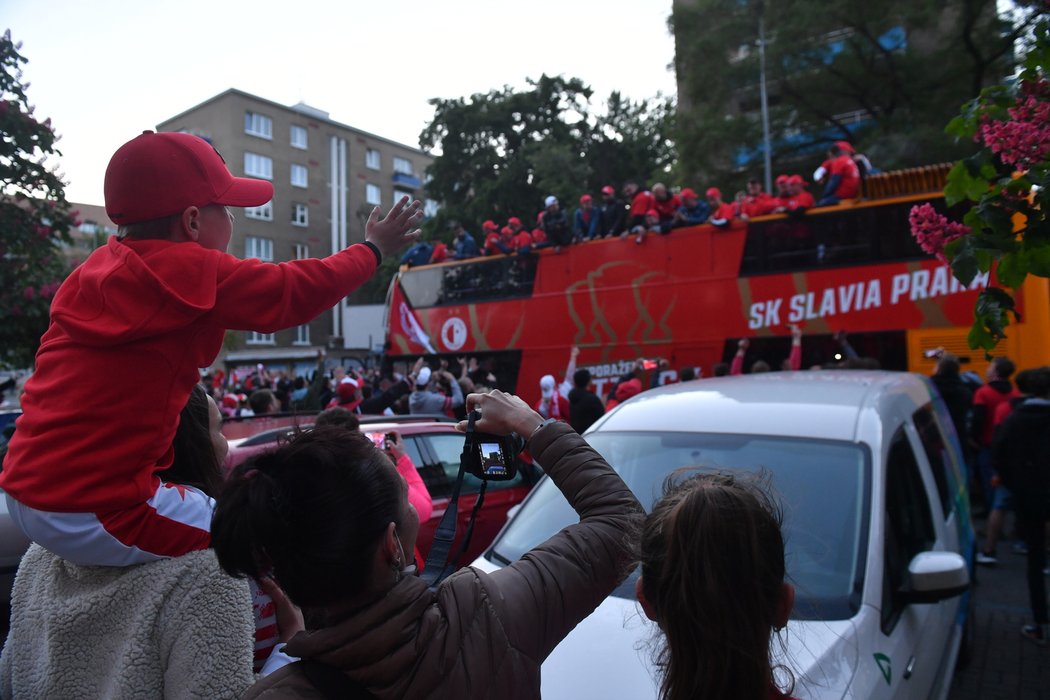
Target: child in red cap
<point>129,329</point>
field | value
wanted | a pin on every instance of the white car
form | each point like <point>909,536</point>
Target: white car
<point>868,470</point>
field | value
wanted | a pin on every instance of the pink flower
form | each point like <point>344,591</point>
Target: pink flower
<point>29,293</point>
<point>1024,140</point>
<point>932,231</point>
<point>43,231</point>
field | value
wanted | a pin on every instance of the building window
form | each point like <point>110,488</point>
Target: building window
<point>298,175</point>
<point>298,136</point>
<point>403,165</point>
<point>302,335</point>
<point>256,165</point>
<point>89,227</point>
<point>265,212</point>
<point>259,248</point>
<point>373,195</point>
<point>430,208</point>
<point>259,125</point>
<point>256,338</point>
<point>302,251</point>
<point>398,194</point>
<point>300,214</point>
<point>372,159</point>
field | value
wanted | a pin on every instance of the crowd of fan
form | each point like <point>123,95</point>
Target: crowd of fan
<point>637,212</point>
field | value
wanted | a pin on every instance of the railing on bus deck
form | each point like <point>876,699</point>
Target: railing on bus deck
<point>901,183</point>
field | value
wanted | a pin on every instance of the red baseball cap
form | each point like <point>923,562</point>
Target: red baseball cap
<point>608,189</point>
<point>585,198</point>
<point>845,146</point>
<point>513,220</point>
<point>489,225</point>
<point>653,212</point>
<point>687,192</point>
<point>714,192</point>
<point>781,179</point>
<point>157,175</point>
<point>797,180</point>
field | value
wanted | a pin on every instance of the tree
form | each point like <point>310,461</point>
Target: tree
<point>879,72</point>
<point>503,151</point>
<point>34,216</point>
<point>1008,183</point>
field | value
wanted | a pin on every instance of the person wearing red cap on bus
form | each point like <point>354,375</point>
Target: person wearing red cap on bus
<point>721,212</point>
<point>539,236</point>
<point>757,202</point>
<point>586,221</point>
<point>843,177</point>
<point>494,244</point>
<point>798,199</point>
<point>693,210</point>
<point>521,242</point>
<point>666,204</point>
<point>782,194</point>
<point>613,213</point>
<point>81,473</point>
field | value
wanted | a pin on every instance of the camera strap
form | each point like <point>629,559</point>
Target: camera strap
<point>437,558</point>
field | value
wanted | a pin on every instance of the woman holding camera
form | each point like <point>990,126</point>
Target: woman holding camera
<point>328,515</point>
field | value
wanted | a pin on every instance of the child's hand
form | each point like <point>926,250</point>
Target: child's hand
<point>393,231</point>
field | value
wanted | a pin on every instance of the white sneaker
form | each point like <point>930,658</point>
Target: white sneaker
<point>986,559</point>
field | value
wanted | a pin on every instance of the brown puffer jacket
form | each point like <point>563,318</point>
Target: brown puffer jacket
<point>485,635</point>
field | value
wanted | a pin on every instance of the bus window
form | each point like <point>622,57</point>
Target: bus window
<point>471,281</point>
<point>847,236</point>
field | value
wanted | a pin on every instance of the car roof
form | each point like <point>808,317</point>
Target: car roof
<point>823,404</point>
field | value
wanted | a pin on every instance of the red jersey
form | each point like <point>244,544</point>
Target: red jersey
<point>522,240</point>
<point>796,202</point>
<point>440,253</point>
<point>668,207</point>
<point>726,210</point>
<point>643,202</point>
<point>759,205</point>
<point>492,243</point>
<point>844,167</point>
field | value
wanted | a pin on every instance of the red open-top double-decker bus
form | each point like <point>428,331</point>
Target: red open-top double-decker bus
<point>688,296</point>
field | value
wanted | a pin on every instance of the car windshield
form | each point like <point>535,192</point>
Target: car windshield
<point>821,486</point>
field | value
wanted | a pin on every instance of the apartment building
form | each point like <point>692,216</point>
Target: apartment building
<point>327,177</point>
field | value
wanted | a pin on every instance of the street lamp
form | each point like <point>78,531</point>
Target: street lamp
<point>766,148</point>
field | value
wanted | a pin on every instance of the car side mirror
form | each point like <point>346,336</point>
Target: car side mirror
<point>935,576</point>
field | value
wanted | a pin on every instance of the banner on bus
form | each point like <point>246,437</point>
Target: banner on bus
<point>405,325</point>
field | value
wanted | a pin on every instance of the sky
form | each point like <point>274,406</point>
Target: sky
<point>104,71</point>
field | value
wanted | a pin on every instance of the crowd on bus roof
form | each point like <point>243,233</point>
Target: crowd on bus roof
<point>636,212</point>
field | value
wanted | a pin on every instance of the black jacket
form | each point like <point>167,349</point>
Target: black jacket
<point>584,409</point>
<point>1021,456</point>
<point>958,397</point>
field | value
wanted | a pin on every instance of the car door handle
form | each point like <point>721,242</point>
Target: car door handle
<point>909,668</point>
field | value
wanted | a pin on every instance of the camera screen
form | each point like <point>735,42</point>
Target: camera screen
<point>492,462</point>
<point>377,440</point>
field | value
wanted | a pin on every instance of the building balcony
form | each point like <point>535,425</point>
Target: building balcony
<point>407,180</point>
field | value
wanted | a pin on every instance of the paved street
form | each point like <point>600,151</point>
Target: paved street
<point>1003,665</point>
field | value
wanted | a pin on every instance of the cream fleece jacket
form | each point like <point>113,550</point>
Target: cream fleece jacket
<point>176,628</point>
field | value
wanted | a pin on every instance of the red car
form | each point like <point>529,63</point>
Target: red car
<point>435,448</point>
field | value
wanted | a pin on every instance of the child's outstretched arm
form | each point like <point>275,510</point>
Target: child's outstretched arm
<point>397,228</point>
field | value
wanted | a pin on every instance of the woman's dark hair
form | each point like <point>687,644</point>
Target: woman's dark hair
<point>195,462</point>
<point>712,557</point>
<point>310,513</point>
<point>338,416</point>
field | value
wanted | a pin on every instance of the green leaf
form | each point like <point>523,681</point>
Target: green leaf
<point>959,184</point>
<point>1012,269</point>
<point>963,261</point>
<point>978,337</point>
<point>1039,260</point>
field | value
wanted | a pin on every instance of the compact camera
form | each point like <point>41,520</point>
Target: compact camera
<point>489,457</point>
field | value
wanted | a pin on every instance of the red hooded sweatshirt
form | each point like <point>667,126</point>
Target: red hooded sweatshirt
<point>129,329</point>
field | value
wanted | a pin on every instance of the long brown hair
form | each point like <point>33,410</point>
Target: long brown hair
<point>194,462</point>
<point>712,557</point>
